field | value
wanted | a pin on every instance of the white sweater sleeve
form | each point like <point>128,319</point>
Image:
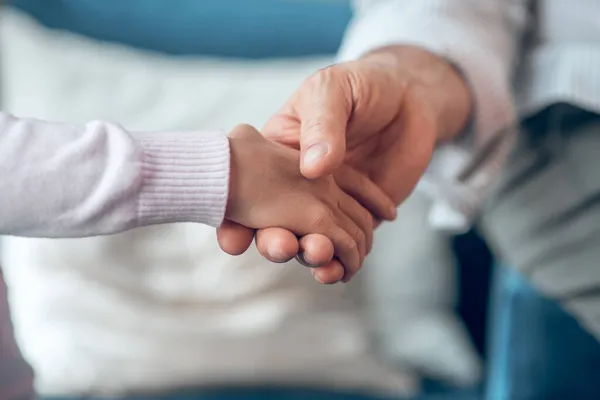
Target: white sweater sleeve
<point>482,38</point>
<point>61,180</point>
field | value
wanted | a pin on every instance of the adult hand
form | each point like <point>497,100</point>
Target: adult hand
<point>382,114</point>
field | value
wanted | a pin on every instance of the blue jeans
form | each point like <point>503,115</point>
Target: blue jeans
<point>537,350</point>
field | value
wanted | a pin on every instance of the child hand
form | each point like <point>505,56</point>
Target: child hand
<point>266,189</point>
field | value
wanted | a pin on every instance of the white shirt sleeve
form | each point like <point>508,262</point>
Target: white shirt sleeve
<point>482,39</point>
<point>61,180</point>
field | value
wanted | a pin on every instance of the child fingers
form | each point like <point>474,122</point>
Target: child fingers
<point>328,220</point>
<point>330,273</point>
<point>316,250</point>
<point>361,217</point>
<point>277,244</point>
<point>335,225</point>
<point>367,193</point>
<point>353,237</point>
<point>233,238</point>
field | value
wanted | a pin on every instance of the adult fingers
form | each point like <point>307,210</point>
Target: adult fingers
<point>367,193</point>
<point>283,128</point>
<point>323,105</point>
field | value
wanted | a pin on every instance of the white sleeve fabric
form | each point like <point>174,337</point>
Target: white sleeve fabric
<point>482,39</point>
<point>61,180</point>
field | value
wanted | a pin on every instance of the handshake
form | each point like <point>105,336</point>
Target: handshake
<point>366,131</point>
<point>333,215</point>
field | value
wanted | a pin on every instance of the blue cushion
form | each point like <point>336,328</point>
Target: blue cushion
<point>227,28</point>
<point>537,350</point>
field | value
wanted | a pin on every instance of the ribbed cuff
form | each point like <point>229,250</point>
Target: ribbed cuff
<point>185,179</point>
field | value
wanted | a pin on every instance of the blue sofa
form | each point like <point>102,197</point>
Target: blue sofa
<point>533,349</point>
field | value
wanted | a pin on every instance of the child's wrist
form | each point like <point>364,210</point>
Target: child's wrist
<point>234,181</point>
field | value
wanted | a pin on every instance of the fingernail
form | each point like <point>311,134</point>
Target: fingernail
<point>302,260</point>
<point>314,153</point>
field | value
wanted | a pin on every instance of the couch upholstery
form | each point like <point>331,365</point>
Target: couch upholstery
<point>232,28</point>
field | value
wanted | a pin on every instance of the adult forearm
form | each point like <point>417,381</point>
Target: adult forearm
<point>481,38</point>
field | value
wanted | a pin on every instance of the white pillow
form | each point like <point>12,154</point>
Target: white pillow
<point>411,278</point>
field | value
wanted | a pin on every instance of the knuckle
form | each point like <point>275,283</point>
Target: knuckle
<point>322,76</point>
<point>321,218</point>
<point>368,218</point>
<point>359,235</point>
<point>333,76</point>
<point>350,243</point>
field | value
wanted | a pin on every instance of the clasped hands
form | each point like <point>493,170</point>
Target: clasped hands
<point>363,133</point>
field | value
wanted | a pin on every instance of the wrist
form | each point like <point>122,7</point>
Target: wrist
<point>232,204</point>
<point>435,81</point>
<point>245,167</point>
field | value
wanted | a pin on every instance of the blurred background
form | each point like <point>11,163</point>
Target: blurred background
<point>161,313</point>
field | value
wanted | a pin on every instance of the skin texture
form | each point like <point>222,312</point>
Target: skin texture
<point>383,115</point>
<point>266,189</point>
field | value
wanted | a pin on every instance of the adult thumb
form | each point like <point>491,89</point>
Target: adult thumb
<point>324,106</point>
